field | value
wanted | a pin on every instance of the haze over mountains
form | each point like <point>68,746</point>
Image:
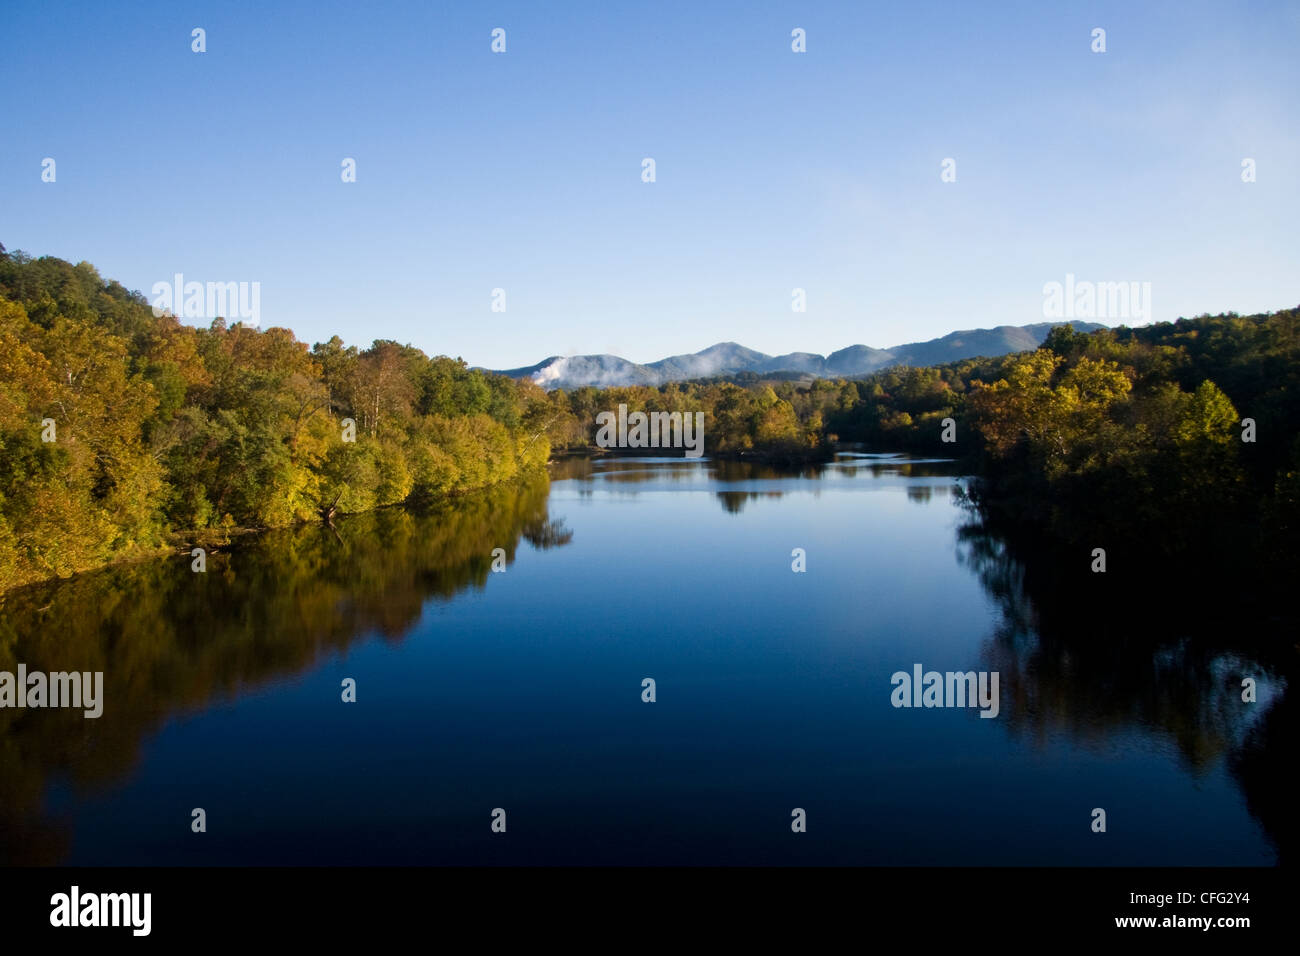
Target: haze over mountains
<point>728,358</point>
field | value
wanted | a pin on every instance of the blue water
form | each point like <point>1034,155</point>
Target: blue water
<point>522,690</point>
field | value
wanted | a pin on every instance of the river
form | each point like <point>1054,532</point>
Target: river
<point>524,690</point>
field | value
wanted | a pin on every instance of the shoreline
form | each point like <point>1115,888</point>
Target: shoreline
<point>819,454</point>
<point>216,540</point>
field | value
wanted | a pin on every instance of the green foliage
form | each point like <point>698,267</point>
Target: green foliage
<point>757,420</point>
<point>163,429</point>
<point>1135,435</point>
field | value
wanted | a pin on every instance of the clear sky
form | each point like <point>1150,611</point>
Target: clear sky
<point>775,169</point>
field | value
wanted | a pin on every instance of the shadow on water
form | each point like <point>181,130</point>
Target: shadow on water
<point>1093,657</point>
<point>171,641</point>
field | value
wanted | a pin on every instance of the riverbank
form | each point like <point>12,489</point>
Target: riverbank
<point>223,538</point>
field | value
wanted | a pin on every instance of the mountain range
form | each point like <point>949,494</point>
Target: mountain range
<point>728,358</point>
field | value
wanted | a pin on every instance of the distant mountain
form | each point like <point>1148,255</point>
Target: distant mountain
<point>728,358</point>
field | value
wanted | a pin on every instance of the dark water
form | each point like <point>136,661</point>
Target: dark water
<point>522,690</point>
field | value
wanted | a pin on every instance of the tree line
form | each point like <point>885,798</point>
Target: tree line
<point>121,429</point>
<point>162,429</point>
<point>1175,435</point>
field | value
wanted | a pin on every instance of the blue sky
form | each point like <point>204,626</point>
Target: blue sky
<point>775,170</point>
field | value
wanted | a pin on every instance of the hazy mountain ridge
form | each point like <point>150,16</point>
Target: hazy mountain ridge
<point>729,358</point>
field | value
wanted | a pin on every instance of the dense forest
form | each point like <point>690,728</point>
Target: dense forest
<point>121,430</point>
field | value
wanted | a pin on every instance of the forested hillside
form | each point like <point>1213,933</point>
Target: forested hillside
<point>120,430</point>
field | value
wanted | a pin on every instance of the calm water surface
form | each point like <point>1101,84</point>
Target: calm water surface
<point>522,690</point>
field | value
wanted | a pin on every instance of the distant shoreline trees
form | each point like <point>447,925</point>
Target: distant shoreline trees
<point>1174,436</point>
